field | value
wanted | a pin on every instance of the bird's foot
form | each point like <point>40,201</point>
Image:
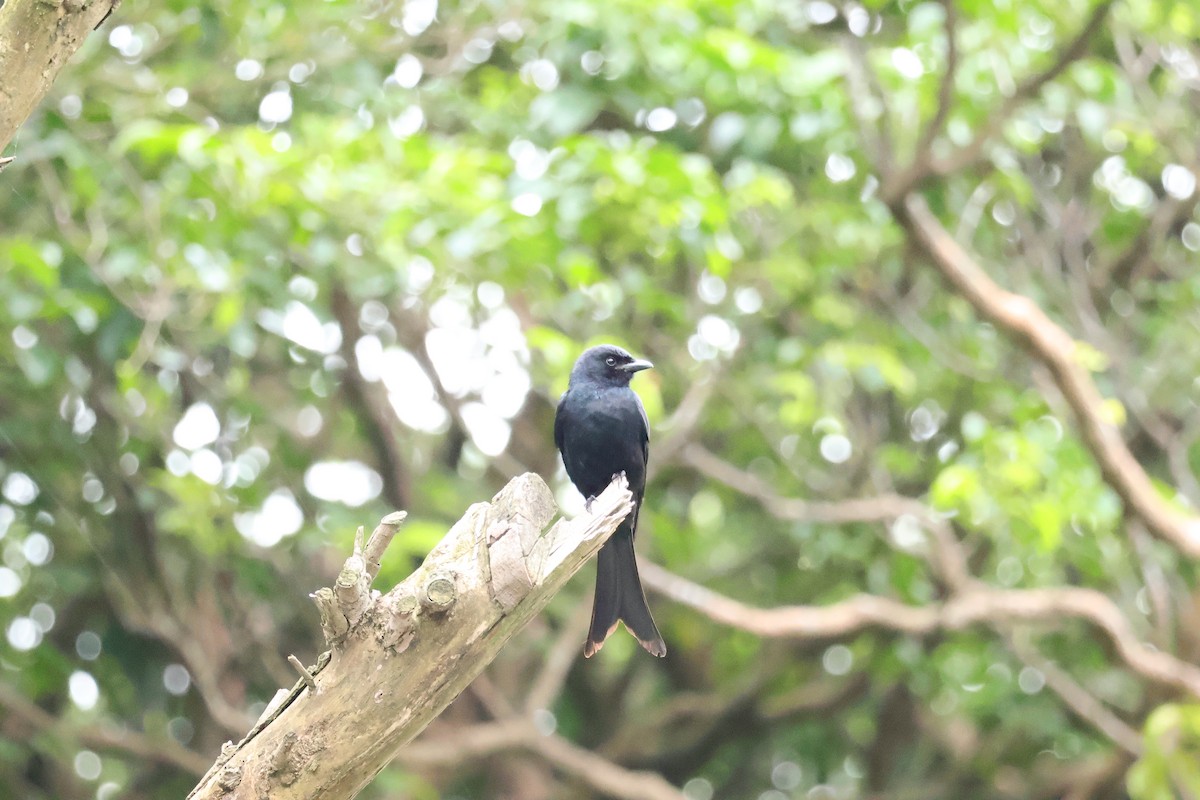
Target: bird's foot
<point>587,504</point>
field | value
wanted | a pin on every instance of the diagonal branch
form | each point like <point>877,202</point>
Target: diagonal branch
<point>923,152</point>
<point>557,662</point>
<point>862,88</point>
<point>945,96</point>
<point>880,508</point>
<point>398,659</point>
<point>1022,319</point>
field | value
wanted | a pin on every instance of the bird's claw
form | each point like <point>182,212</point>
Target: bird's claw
<point>587,504</point>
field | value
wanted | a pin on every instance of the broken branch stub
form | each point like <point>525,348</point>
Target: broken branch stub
<point>400,658</point>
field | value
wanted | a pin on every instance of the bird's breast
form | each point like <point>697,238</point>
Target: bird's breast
<point>604,435</point>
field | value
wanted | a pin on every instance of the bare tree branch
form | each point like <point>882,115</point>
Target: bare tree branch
<point>880,508</point>
<point>922,154</point>
<point>978,605</point>
<point>681,425</point>
<point>1027,90</point>
<point>400,658</point>
<point>945,97</point>
<point>863,89</point>
<point>1026,322</point>
<point>602,775</point>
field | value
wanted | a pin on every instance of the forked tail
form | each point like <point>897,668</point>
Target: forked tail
<point>619,596</point>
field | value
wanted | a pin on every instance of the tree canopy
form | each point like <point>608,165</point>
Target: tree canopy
<point>919,282</point>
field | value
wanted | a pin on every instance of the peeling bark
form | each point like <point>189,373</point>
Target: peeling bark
<point>398,659</point>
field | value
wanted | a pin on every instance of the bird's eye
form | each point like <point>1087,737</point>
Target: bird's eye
<point>610,361</point>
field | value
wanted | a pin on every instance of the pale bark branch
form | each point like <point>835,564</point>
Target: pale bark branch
<point>680,427</point>
<point>1021,318</point>
<point>971,606</point>
<point>922,156</point>
<point>603,775</point>
<point>37,38</point>
<point>1026,90</point>
<point>398,659</point>
<point>862,89</point>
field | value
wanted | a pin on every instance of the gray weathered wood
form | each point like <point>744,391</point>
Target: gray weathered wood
<point>398,659</point>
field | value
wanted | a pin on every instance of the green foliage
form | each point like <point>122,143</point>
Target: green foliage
<point>1168,767</point>
<point>252,215</point>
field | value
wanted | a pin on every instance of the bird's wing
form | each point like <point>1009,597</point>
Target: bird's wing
<point>645,430</point>
<point>560,423</point>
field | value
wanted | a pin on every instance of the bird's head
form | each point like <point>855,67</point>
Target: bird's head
<point>607,365</point>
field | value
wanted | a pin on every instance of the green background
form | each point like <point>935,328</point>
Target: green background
<point>249,212</point>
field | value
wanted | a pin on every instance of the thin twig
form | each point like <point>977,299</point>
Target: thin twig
<point>680,427</point>
<point>880,508</point>
<point>945,97</point>
<point>861,86</point>
<point>923,152</point>
<point>1025,91</point>
<point>949,562</point>
<point>305,675</point>
<point>492,699</point>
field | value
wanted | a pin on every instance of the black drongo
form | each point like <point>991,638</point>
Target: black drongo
<point>601,430</point>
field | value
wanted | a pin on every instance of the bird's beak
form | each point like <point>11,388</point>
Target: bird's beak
<point>637,366</point>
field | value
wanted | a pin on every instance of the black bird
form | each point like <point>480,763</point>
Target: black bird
<point>601,429</point>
